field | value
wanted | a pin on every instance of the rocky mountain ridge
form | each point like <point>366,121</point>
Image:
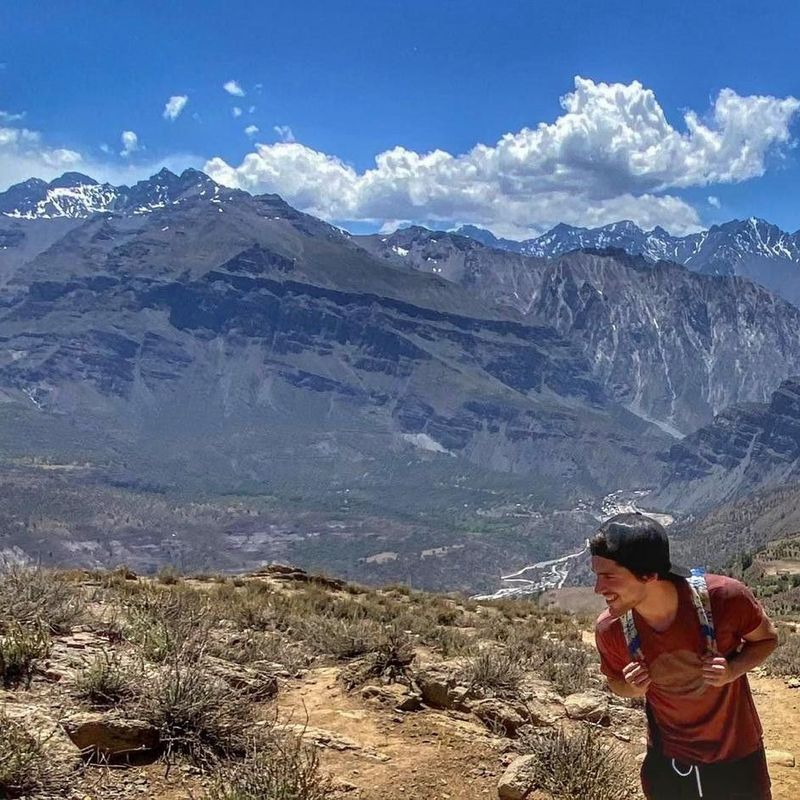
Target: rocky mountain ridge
<point>673,346</point>
<point>753,248</point>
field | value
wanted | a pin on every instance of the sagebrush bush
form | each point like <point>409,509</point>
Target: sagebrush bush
<point>341,638</point>
<point>578,765</point>
<point>20,648</point>
<point>105,681</point>
<point>495,671</point>
<point>280,768</point>
<point>785,661</point>
<point>165,621</point>
<point>389,660</point>
<point>197,715</point>
<point>32,596</point>
<point>26,770</point>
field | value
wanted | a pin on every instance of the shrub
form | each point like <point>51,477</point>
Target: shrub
<point>496,671</point>
<point>785,661</point>
<point>31,595</point>
<point>25,768</point>
<point>198,715</point>
<point>578,765</point>
<point>341,638</point>
<point>282,768</point>
<point>163,622</point>
<point>389,661</point>
<point>168,576</point>
<point>564,665</point>
<point>104,682</point>
<point>19,649</point>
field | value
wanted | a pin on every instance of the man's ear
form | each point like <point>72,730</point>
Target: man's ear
<point>653,576</point>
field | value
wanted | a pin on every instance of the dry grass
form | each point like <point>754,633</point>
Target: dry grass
<point>32,596</point>
<point>495,671</point>
<point>279,768</point>
<point>578,765</point>
<point>20,649</point>
<point>26,769</point>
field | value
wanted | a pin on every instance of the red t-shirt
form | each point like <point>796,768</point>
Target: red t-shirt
<point>697,723</point>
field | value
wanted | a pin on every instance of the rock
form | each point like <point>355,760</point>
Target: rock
<point>590,705</point>
<point>394,695</point>
<point>793,683</point>
<point>780,758</point>
<point>325,739</point>
<point>495,713</point>
<point>439,685</point>
<point>519,780</point>
<point>258,684</point>
<point>108,735</point>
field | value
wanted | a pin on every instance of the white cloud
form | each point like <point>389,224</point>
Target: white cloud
<point>175,105</point>
<point>713,201</point>
<point>130,143</point>
<point>24,154</point>
<point>285,132</point>
<point>612,154</point>
<point>251,130</point>
<point>7,116</point>
<point>251,109</point>
<point>236,111</point>
<point>232,87</point>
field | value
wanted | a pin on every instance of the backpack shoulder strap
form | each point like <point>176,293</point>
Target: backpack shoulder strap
<point>631,635</point>
<point>702,606</point>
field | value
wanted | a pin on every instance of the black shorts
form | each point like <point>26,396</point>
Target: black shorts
<point>743,779</point>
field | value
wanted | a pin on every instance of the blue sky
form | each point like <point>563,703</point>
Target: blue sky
<point>331,86</point>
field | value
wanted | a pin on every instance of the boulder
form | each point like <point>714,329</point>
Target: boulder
<point>590,705</point>
<point>394,695</point>
<point>519,780</point>
<point>501,714</point>
<point>439,685</point>
<point>108,735</point>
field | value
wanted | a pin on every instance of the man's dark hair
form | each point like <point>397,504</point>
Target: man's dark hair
<point>636,542</point>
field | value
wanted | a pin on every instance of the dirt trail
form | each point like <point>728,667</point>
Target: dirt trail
<point>423,755</point>
<point>779,709</point>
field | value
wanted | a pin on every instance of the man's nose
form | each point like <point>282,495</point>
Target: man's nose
<point>597,588</point>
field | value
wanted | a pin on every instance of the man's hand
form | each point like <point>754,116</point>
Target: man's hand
<point>717,671</point>
<point>637,675</point>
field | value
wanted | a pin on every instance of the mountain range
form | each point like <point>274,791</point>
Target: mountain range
<point>752,248</point>
<point>180,337</point>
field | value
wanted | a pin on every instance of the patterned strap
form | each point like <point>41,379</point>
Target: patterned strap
<point>702,606</point>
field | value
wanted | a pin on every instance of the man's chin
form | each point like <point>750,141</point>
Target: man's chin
<point>617,609</point>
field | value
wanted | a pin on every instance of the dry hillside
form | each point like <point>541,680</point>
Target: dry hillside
<point>284,686</point>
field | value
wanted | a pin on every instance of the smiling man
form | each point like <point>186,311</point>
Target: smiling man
<point>684,642</point>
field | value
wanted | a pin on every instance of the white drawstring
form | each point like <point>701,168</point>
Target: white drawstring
<point>688,773</point>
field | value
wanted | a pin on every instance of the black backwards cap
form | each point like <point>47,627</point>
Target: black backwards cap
<point>638,543</point>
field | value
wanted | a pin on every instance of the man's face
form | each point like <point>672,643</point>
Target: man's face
<point>621,589</point>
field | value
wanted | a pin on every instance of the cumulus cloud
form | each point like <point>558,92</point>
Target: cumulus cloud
<point>285,132</point>
<point>232,87</point>
<point>236,111</point>
<point>713,201</point>
<point>174,106</point>
<point>8,116</point>
<point>611,154</point>
<point>130,143</point>
<point>251,130</point>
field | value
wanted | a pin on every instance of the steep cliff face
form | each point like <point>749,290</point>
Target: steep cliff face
<point>671,345</point>
<point>230,340</point>
<point>746,448</point>
<point>752,248</point>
